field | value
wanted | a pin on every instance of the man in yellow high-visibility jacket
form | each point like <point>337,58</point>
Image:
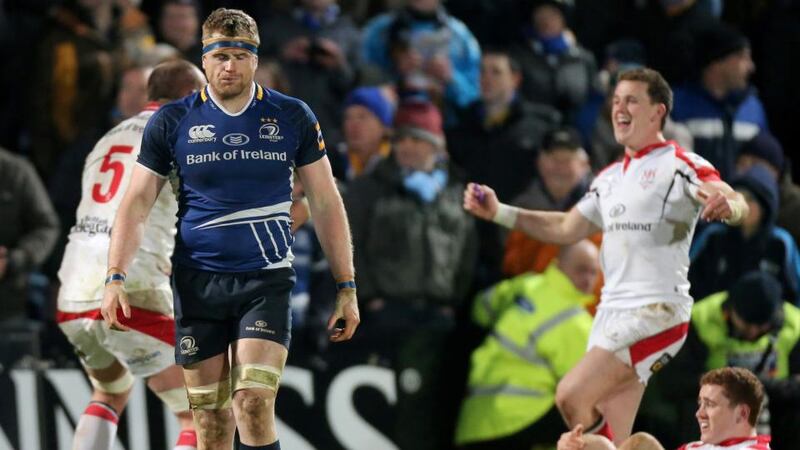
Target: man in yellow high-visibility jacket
<point>539,330</point>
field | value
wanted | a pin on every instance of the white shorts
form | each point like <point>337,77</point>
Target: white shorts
<point>148,348</point>
<point>645,338</point>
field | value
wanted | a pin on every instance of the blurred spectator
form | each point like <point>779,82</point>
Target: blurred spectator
<point>318,49</point>
<point>721,110</point>
<point>766,150</point>
<point>510,402</point>
<point>28,231</point>
<point>564,177</point>
<point>498,136</point>
<point>132,93</point>
<point>367,126</point>
<point>426,50</point>
<point>556,70</point>
<point>594,118</point>
<point>179,26</point>
<point>748,326</point>
<point>414,254</point>
<point>496,142</point>
<point>721,254</point>
<point>270,74</point>
<point>72,89</point>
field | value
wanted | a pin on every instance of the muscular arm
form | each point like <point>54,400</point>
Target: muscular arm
<point>548,226</point>
<point>333,231</point>
<point>721,202</point>
<point>330,220</point>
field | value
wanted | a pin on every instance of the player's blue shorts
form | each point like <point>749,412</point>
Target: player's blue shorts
<point>213,309</point>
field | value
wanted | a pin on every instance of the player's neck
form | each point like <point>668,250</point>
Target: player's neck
<point>633,149</point>
<point>233,105</point>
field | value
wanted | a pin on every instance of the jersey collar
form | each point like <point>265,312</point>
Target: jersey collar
<point>152,106</point>
<point>256,93</point>
<point>761,439</point>
<point>644,151</point>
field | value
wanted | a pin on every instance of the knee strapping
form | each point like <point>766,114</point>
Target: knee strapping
<point>246,376</point>
<point>118,386</point>
<point>211,396</point>
<point>175,399</point>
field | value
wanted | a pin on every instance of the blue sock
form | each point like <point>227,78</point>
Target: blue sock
<point>274,446</point>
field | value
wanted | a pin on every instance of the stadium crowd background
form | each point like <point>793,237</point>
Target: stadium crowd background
<point>510,93</point>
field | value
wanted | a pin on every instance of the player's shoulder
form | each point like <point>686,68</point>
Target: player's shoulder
<point>609,170</point>
<point>287,103</point>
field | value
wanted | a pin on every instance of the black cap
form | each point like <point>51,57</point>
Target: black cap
<point>562,138</point>
<point>756,298</point>
<point>716,41</point>
<point>765,146</point>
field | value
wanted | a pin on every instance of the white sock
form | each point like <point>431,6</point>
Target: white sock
<point>97,428</point>
<point>187,440</point>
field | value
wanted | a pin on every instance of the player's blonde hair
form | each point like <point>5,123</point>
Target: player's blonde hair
<point>231,22</point>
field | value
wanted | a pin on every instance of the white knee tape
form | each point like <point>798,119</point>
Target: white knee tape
<point>175,399</point>
<point>118,386</point>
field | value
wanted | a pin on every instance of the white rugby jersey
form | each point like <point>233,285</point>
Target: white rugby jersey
<point>760,442</point>
<point>647,208</point>
<point>106,175</point>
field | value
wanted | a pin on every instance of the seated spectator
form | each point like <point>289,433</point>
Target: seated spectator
<point>132,93</point>
<point>510,402</point>
<point>318,48</point>
<point>415,250</point>
<point>721,109</point>
<point>729,402</point>
<point>498,136</point>
<point>764,149</point>
<point>748,326</point>
<point>367,125</point>
<point>564,178</point>
<point>28,232</point>
<point>179,26</point>
<point>556,69</point>
<point>721,254</point>
<point>426,50</point>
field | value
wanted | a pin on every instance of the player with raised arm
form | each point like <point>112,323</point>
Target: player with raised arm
<point>112,358</point>
<point>233,148</point>
<point>647,206</point>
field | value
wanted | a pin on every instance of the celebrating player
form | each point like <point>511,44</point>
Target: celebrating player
<point>646,205</point>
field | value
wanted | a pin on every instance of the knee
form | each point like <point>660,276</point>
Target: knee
<point>255,403</point>
<point>566,399</point>
<point>212,424</point>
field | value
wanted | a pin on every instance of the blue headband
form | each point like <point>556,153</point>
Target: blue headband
<point>238,44</point>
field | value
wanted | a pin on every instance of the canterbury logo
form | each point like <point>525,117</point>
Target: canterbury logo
<point>201,131</point>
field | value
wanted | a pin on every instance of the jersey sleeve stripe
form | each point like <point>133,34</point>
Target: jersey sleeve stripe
<point>704,173</point>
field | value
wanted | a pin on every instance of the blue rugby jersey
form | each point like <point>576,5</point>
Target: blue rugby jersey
<point>234,176</point>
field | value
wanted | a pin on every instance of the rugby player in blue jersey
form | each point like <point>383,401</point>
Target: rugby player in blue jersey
<point>231,151</point>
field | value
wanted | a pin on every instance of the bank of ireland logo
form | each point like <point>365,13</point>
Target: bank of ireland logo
<point>235,139</point>
<point>617,210</point>
<point>270,130</point>
<point>188,346</point>
<point>261,324</point>
<point>201,133</point>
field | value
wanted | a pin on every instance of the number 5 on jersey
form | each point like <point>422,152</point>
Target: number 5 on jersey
<point>117,167</point>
